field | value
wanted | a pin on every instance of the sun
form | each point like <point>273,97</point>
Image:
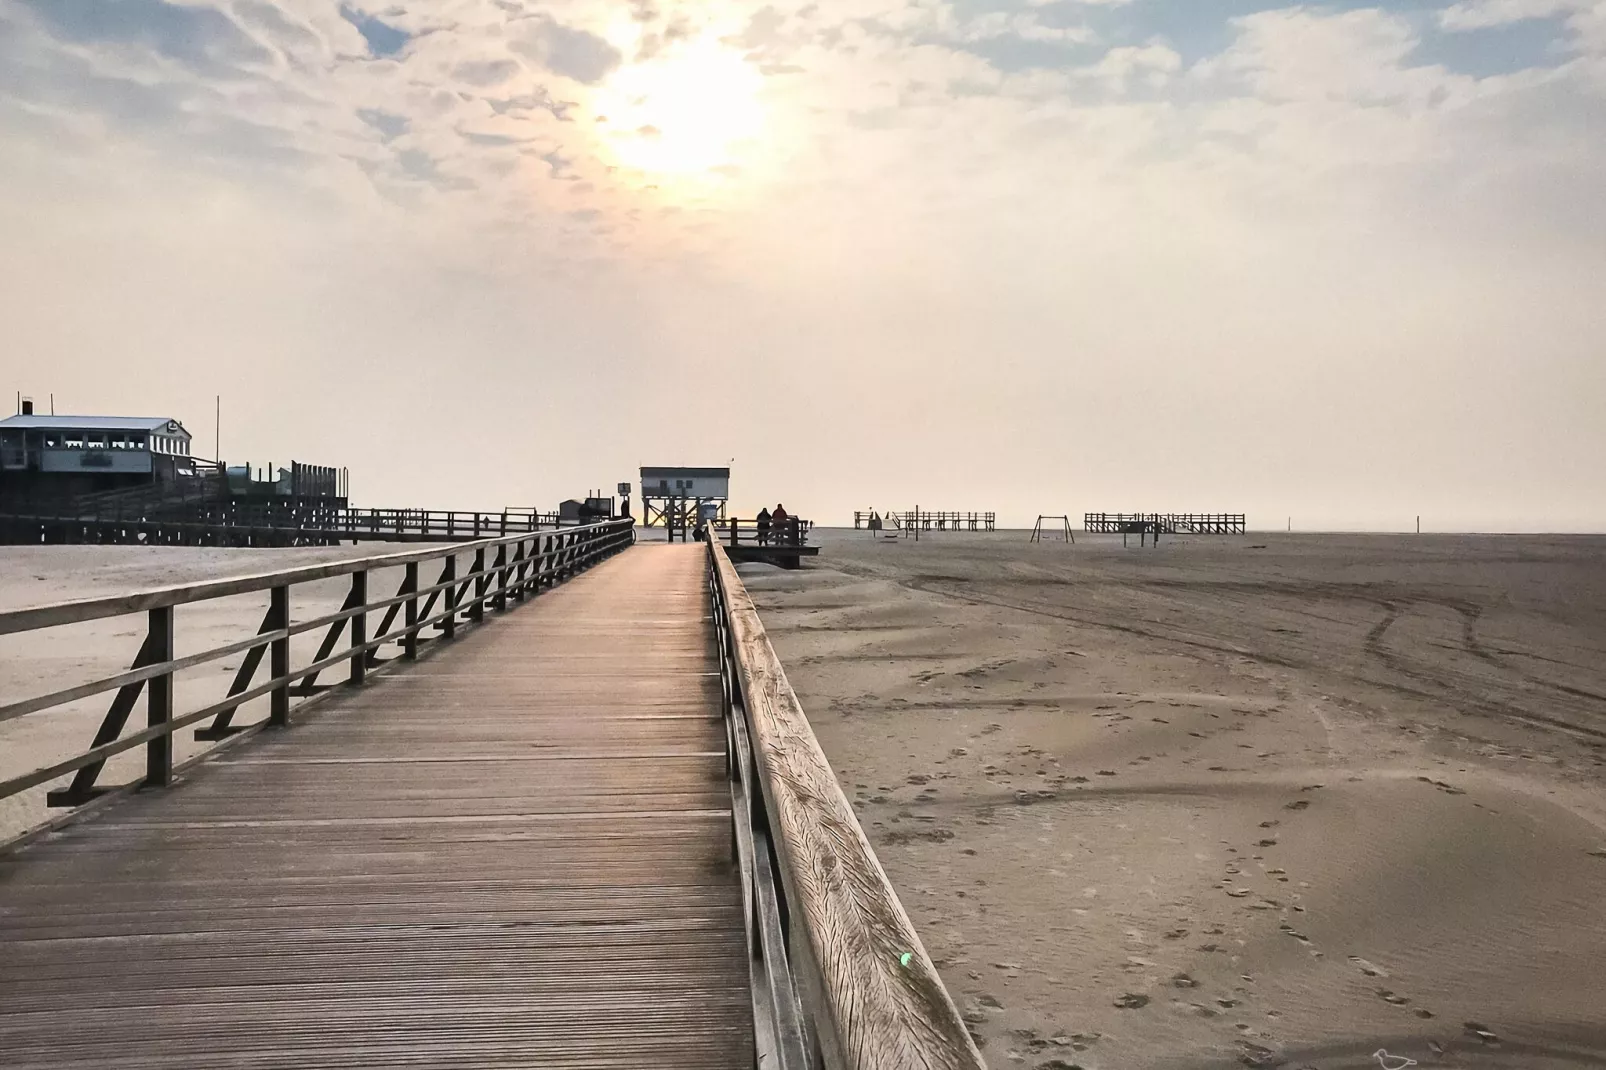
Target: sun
<point>682,112</point>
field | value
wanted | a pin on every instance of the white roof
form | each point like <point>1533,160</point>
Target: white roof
<point>93,423</point>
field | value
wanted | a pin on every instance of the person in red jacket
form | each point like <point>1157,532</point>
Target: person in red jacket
<point>780,520</point>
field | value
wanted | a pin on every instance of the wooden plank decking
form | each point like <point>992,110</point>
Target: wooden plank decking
<point>514,854</point>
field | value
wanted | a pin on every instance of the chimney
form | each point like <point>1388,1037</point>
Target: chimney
<point>27,406</point>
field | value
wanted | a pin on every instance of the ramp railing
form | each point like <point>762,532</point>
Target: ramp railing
<point>499,571</point>
<point>840,979</point>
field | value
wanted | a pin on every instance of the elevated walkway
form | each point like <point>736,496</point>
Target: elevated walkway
<point>519,850</point>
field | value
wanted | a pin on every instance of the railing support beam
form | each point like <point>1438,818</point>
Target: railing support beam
<point>159,702</point>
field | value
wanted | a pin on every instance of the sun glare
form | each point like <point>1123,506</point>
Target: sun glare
<point>681,113</point>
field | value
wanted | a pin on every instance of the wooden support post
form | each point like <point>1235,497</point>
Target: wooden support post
<point>279,657</point>
<point>482,583</point>
<point>159,702</point>
<point>449,577</point>
<point>410,640</point>
<point>359,627</point>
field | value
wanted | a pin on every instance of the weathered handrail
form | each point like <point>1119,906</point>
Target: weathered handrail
<point>840,978</point>
<point>515,567</point>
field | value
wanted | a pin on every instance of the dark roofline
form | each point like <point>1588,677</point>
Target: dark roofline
<point>684,473</point>
<point>46,422</point>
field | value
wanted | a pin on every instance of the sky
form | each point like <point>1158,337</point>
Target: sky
<point>1343,264</point>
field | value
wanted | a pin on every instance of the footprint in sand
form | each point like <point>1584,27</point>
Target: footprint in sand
<point>1297,804</point>
<point>1370,969</point>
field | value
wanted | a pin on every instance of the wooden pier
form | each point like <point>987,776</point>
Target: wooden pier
<point>928,520</point>
<point>1166,523</point>
<point>590,831</point>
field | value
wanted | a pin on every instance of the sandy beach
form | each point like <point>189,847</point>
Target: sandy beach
<point>1283,800</point>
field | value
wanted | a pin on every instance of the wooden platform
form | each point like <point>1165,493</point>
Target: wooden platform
<point>514,854</point>
<point>785,556</point>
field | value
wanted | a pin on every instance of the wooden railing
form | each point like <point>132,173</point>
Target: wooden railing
<point>840,978</point>
<point>267,521</point>
<point>1169,523</point>
<point>792,531</point>
<point>499,571</point>
<point>926,520</point>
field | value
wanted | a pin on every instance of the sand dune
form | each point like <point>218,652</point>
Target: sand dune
<point>1223,805</point>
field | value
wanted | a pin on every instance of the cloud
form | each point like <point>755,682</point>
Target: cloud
<point>1482,14</point>
<point>576,54</point>
<point>485,72</point>
<point>202,38</point>
<point>389,125</point>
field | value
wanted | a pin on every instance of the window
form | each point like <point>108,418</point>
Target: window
<point>74,441</point>
<point>52,441</point>
<point>96,442</point>
<point>136,442</point>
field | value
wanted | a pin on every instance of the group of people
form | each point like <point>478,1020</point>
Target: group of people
<point>778,526</point>
<point>778,522</point>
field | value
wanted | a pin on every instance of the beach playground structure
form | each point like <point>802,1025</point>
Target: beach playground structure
<point>559,806</point>
<point>1045,525</point>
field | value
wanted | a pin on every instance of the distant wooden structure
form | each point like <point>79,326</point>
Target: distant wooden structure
<point>1168,523</point>
<point>677,498</point>
<point>927,520</point>
<point>274,522</point>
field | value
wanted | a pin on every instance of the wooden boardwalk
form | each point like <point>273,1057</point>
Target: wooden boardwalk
<point>515,853</point>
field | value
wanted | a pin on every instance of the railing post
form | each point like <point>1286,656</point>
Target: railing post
<point>410,640</point>
<point>279,657</point>
<point>449,577</point>
<point>476,611</point>
<point>359,626</point>
<point>501,572</point>
<point>159,701</point>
